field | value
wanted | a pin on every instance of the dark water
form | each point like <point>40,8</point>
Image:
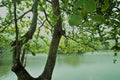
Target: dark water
<point>96,66</point>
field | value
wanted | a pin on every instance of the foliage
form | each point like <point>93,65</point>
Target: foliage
<point>87,24</point>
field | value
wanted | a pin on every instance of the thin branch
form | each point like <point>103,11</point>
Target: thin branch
<point>24,14</point>
<point>15,20</point>
<point>118,9</point>
<point>10,22</point>
<point>42,23</point>
<point>2,5</point>
<point>16,54</point>
<point>45,13</point>
<point>48,21</point>
<point>46,16</point>
<point>40,27</point>
<point>71,38</point>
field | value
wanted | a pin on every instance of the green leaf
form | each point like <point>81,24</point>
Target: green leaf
<point>79,3</point>
<point>42,37</point>
<point>98,18</point>
<point>89,5</point>
<point>74,20</point>
<point>21,8</point>
<point>84,14</point>
<point>105,6</point>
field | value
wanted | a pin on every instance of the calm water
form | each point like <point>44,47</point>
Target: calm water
<point>96,66</point>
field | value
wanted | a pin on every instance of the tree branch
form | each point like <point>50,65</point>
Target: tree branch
<point>48,70</point>
<point>2,5</point>
<point>33,25</point>
<point>16,54</point>
<point>47,18</point>
<point>20,17</point>
<point>8,24</point>
<point>24,14</point>
<point>32,28</point>
<point>40,27</point>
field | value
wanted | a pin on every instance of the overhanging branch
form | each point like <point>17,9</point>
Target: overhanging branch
<point>32,28</point>
<point>33,25</point>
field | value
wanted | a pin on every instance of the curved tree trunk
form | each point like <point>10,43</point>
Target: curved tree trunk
<point>58,32</point>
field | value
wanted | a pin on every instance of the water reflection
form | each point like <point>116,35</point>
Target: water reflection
<point>115,57</point>
<point>5,65</point>
<point>97,66</point>
<point>70,60</point>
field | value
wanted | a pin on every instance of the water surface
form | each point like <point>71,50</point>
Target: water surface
<point>95,66</point>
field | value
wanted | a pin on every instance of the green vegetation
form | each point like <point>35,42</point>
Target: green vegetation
<point>88,27</point>
<point>66,26</point>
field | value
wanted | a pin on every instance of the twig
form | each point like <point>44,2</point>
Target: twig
<point>2,5</point>
<point>71,38</point>
<point>47,18</point>
<point>40,27</point>
<point>10,22</point>
<point>24,14</point>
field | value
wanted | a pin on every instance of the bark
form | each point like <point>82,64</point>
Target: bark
<point>23,61</point>
<point>17,51</point>
<point>21,72</point>
<point>58,32</point>
<point>32,28</point>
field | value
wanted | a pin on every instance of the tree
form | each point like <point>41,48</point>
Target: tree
<point>84,24</point>
<point>18,67</point>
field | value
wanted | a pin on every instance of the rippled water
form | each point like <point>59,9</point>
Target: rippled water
<point>95,66</point>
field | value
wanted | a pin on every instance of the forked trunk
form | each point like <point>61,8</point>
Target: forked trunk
<point>18,68</point>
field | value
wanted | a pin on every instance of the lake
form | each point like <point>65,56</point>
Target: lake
<point>89,66</point>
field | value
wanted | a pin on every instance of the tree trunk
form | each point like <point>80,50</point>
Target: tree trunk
<point>18,68</point>
<point>58,32</point>
<point>21,72</point>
